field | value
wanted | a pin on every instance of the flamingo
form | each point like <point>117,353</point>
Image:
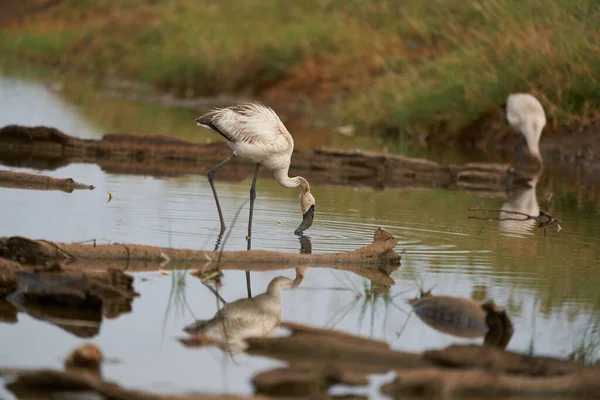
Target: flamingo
<point>526,116</point>
<point>254,131</point>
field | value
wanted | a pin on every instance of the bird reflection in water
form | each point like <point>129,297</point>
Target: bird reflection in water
<point>259,316</point>
<point>464,318</point>
<point>524,202</point>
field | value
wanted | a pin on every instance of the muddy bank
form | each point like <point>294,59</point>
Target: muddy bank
<point>375,261</point>
<point>24,180</point>
<point>43,147</point>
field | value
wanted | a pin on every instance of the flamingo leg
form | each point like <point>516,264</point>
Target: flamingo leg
<point>211,180</point>
<point>520,145</point>
<point>252,198</point>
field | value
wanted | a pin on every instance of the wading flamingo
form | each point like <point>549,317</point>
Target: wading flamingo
<point>255,132</point>
<point>526,116</point>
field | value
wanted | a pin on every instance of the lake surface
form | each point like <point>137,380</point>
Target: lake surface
<point>547,279</point>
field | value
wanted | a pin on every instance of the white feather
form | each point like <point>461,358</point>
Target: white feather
<point>526,115</point>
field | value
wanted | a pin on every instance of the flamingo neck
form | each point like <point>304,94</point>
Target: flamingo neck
<point>281,176</point>
<point>532,135</point>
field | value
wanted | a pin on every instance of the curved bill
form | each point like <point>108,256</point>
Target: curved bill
<point>307,221</point>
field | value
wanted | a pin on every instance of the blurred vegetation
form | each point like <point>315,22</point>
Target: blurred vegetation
<point>409,66</point>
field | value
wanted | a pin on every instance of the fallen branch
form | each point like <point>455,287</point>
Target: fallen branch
<point>432,381</point>
<point>45,147</point>
<point>323,349</point>
<point>374,261</point>
<point>75,301</point>
<point>24,180</point>
<point>313,353</point>
<point>29,384</point>
<point>310,381</point>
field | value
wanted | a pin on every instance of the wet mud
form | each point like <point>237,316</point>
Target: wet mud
<point>47,148</point>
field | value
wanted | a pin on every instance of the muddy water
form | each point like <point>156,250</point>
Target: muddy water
<point>547,279</point>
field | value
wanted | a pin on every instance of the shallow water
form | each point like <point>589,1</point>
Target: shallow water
<point>546,279</point>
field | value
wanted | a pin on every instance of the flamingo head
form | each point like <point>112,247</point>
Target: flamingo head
<point>307,203</point>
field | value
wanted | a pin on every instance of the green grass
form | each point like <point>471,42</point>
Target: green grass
<point>408,66</point>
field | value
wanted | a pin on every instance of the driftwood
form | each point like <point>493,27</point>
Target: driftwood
<point>435,381</point>
<point>300,330</point>
<point>48,148</point>
<point>75,301</point>
<point>493,359</point>
<point>8,312</point>
<point>8,276</point>
<point>375,261</point>
<point>319,357</point>
<point>82,375</point>
<point>322,349</point>
<point>33,384</point>
<point>305,381</point>
<point>24,180</point>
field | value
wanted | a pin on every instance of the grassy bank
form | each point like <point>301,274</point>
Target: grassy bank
<point>437,66</point>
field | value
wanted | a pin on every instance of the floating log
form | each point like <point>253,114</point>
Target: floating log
<point>33,384</point>
<point>45,147</point>
<point>24,180</point>
<point>75,301</point>
<point>8,312</point>
<point>437,381</point>
<point>312,353</point>
<point>494,359</point>
<point>374,261</point>
<point>305,381</point>
<point>8,276</point>
<point>300,330</point>
<point>324,349</point>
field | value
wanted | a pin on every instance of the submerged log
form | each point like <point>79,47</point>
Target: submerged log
<point>8,312</point>
<point>159,155</point>
<point>437,381</point>
<point>24,180</point>
<point>75,301</point>
<point>324,349</point>
<point>305,381</point>
<point>36,384</point>
<point>8,275</point>
<point>374,261</point>
<point>301,330</point>
<point>494,359</point>
<point>458,369</point>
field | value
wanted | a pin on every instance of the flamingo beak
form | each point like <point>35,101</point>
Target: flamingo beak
<point>307,220</point>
